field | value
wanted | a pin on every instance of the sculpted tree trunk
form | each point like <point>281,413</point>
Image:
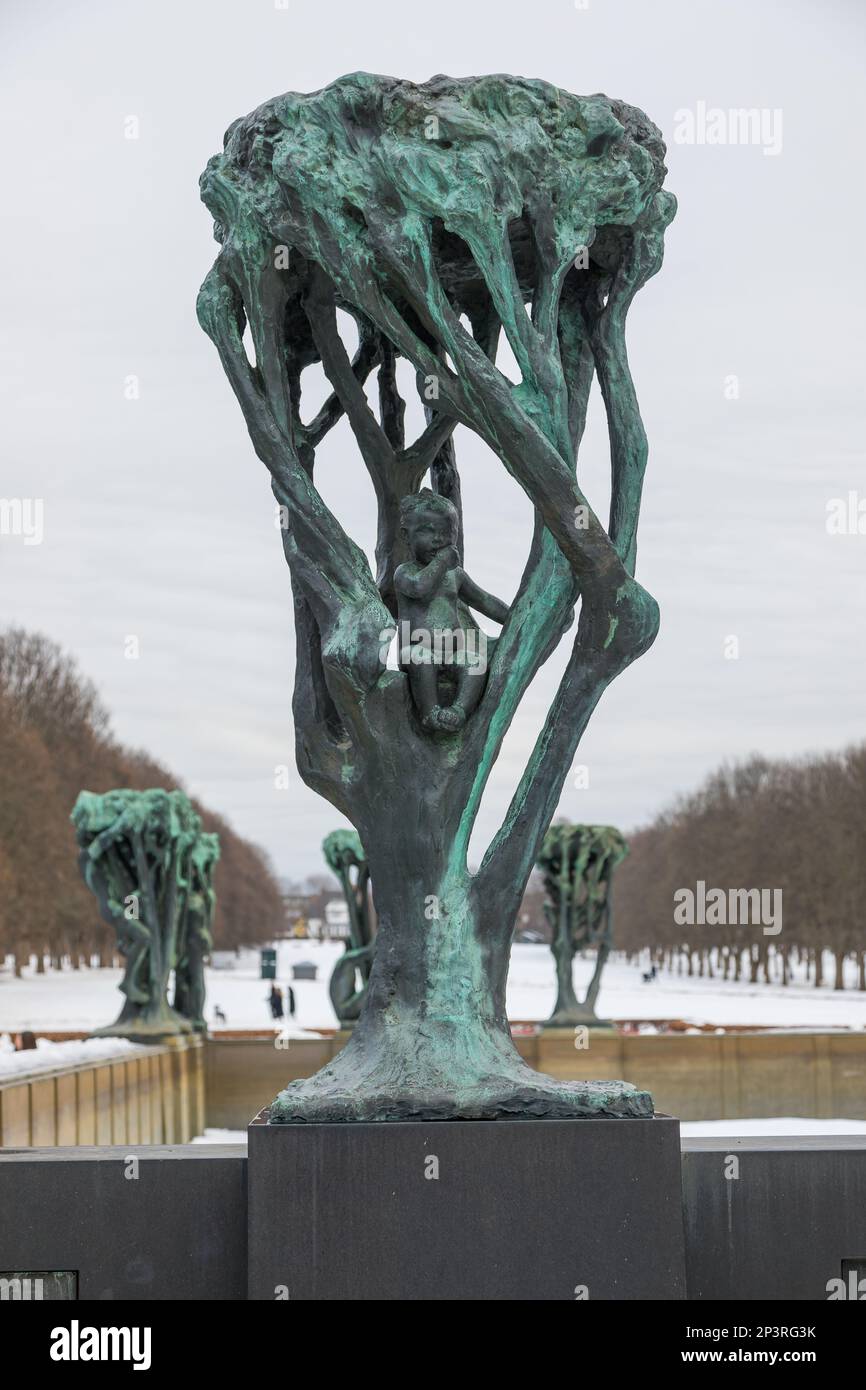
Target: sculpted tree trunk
<point>578,863</point>
<point>440,217</point>
<point>195,930</point>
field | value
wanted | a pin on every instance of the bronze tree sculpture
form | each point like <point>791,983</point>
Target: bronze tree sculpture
<point>577,862</point>
<point>440,217</point>
<point>143,854</point>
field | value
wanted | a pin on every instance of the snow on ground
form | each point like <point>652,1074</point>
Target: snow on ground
<point>221,1136</point>
<point>745,1129</point>
<point>689,1129</point>
<point>624,996</point>
<point>79,1000</point>
<point>47,1056</point>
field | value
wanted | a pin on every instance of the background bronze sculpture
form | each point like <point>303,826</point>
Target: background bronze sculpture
<point>195,931</point>
<point>578,863</point>
<point>347,987</point>
<point>419,210</point>
<point>145,858</point>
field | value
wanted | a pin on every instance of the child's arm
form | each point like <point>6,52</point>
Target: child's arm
<point>424,582</point>
<point>479,599</point>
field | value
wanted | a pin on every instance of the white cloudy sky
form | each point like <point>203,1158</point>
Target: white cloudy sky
<point>158,517</point>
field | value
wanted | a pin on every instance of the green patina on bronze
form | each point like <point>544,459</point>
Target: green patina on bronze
<point>434,215</point>
<point>195,931</point>
<point>345,856</point>
<point>145,857</point>
<point>578,863</point>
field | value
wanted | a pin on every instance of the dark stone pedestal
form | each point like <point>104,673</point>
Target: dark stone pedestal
<point>520,1210</point>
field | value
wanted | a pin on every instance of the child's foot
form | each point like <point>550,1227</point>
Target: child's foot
<point>451,718</point>
<point>444,719</point>
<point>430,722</point>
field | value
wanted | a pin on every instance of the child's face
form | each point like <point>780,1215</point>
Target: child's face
<point>429,531</point>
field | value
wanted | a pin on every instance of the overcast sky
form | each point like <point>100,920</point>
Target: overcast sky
<point>747,350</point>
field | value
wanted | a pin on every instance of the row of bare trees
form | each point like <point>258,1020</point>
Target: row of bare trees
<point>55,740</point>
<point>795,829</point>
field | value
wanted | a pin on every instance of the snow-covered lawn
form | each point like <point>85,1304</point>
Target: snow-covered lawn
<point>746,1129</point>
<point>49,1056</point>
<point>78,1000</point>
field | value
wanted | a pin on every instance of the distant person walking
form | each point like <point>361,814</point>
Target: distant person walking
<point>290,1000</point>
<point>275,999</point>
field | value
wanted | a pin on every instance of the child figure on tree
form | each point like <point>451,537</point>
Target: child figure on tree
<point>440,643</point>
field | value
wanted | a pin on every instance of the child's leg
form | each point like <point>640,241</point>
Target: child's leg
<point>423,685</point>
<point>470,688</point>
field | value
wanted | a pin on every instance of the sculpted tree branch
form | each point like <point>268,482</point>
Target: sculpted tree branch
<point>434,216</point>
<point>344,855</point>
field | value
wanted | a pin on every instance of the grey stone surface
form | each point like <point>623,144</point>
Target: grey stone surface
<point>177,1231</point>
<point>518,1211</point>
<point>523,1210</point>
<point>784,1226</point>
